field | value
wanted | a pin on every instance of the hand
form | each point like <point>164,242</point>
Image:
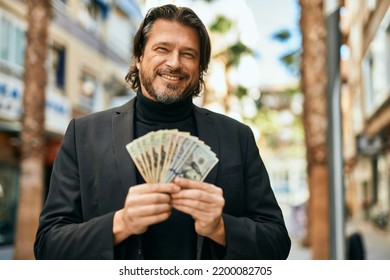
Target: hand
<point>204,202</point>
<point>145,204</point>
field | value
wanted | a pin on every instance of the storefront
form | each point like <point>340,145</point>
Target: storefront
<point>57,116</point>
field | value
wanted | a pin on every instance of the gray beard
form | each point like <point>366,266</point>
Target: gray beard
<point>166,97</point>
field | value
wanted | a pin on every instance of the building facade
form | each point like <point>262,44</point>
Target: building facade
<point>366,109</point>
<point>89,50</point>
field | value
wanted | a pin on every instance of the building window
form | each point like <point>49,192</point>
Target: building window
<point>98,9</point>
<point>93,13</point>
<point>88,87</point>
<point>12,42</point>
<point>57,58</point>
<point>376,68</point>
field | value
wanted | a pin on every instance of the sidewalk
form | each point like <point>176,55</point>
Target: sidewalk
<point>376,241</point>
<point>298,252</point>
<point>376,244</point>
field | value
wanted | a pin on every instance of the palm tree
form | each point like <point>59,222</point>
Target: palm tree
<point>292,58</point>
<point>230,56</point>
<point>313,86</point>
<point>32,150</point>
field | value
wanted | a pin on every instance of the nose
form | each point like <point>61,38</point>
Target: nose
<point>173,60</point>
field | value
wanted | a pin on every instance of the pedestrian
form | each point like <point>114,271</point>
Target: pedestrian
<point>99,206</point>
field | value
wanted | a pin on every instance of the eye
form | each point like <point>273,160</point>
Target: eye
<point>161,49</point>
<point>189,55</point>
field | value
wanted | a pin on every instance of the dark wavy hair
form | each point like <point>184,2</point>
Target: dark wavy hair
<point>182,15</point>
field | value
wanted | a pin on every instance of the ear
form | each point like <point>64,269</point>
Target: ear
<point>138,63</point>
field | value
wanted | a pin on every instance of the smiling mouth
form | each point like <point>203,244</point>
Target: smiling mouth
<point>171,78</point>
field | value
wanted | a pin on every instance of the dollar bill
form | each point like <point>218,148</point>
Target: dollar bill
<point>162,155</point>
<point>136,153</point>
<point>198,164</point>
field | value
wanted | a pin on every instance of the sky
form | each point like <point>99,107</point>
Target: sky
<point>257,20</point>
<point>272,16</point>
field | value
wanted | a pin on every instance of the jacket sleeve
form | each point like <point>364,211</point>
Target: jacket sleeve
<point>64,232</point>
<point>259,232</point>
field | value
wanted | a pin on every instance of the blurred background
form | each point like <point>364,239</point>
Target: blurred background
<point>311,78</point>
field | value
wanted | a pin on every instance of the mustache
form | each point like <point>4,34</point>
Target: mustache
<point>178,72</point>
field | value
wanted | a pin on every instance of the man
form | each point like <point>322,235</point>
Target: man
<point>99,207</point>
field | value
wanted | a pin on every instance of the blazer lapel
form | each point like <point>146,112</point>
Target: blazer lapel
<point>207,133</point>
<point>122,134</point>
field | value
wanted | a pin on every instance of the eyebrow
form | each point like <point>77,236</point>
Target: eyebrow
<point>167,44</point>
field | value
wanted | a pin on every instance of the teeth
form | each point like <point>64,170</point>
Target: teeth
<point>170,78</point>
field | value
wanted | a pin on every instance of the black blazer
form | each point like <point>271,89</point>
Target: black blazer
<point>93,172</point>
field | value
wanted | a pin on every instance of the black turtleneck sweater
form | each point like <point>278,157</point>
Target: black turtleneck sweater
<point>174,238</point>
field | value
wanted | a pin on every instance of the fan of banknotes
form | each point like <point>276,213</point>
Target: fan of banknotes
<point>162,155</point>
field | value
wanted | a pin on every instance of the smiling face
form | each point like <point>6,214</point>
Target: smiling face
<point>169,65</point>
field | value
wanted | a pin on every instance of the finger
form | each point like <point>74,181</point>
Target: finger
<point>199,215</point>
<point>198,209</point>
<point>148,210</point>
<point>192,204</point>
<point>189,184</point>
<point>145,199</point>
<point>187,210</point>
<point>201,196</point>
<point>185,183</point>
<point>193,194</point>
<point>155,188</point>
<point>155,219</point>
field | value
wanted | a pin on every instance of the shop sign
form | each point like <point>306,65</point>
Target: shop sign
<point>11,91</point>
<point>58,112</point>
<point>58,109</point>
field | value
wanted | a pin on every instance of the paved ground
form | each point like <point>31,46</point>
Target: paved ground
<point>376,242</point>
<point>298,252</point>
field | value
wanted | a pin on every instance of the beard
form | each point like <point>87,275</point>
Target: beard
<point>170,93</point>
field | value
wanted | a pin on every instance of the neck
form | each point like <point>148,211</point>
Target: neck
<point>153,111</point>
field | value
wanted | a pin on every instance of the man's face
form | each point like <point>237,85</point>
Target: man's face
<point>169,66</point>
